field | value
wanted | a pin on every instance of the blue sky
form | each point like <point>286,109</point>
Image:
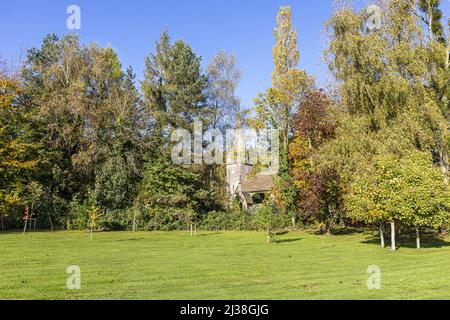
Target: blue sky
<point>244,27</point>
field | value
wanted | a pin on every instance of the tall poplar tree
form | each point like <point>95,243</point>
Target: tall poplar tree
<point>275,109</point>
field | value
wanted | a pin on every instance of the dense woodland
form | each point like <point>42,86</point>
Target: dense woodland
<point>85,146</point>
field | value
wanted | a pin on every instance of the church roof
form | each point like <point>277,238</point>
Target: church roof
<point>258,183</point>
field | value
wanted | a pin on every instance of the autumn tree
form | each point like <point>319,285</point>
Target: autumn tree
<point>383,79</point>
<point>275,109</point>
<point>438,80</point>
<point>390,83</point>
<point>317,185</point>
<point>18,151</point>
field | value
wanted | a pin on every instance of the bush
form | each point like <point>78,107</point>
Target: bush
<point>166,219</point>
<point>229,221</point>
<point>216,220</point>
<point>115,220</point>
<point>78,215</point>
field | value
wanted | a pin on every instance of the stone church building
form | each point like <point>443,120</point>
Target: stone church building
<point>249,188</point>
<point>242,183</point>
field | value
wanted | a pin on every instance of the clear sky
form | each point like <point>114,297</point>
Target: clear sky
<point>243,27</point>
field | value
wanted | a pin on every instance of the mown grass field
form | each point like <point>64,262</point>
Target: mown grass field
<point>223,265</point>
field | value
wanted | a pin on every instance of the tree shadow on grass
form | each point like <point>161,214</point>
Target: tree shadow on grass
<point>339,231</point>
<point>347,231</point>
<point>278,241</point>
<point>209,234</point>
<point>131,239</point>
<point>427,241</point>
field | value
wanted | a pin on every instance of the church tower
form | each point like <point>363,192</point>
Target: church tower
<point>237,169</point>
<point>236,173</point>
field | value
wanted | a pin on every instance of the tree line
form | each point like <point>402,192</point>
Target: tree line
<point>79,136</point>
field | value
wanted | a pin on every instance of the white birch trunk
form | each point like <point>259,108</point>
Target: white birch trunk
<point>393,245</point>
<point>418,237</point>
<point>383,245</point>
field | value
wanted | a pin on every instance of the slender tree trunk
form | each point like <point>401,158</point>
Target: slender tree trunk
<point>430,23</point>
<point>445,166</point>
<point>91,234</point>
<point>212,173</point>
<point>134,221</point>
<point>25,226</point>
<point>382,235</point>
<point>190,227</point>
<point>393,245</point>
<point>195,229</point>
<point>310,150</point>
<point>51,223</point>
<point>418,237</point>
<point>444,162</point>
<point>328,228</point>
<point>443,154</point>
<point>447,58</point>
<point>268,236</point>
<point>332,221</point>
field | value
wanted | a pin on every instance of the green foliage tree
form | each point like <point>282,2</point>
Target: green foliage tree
<point>267,219</point>
<point>174,86</point>
<point>176,94</point>
<point>117,176</point>
<point>392,80</point>
<point>176,189</point>
<point>409,190</point>
<point>223,79</point>
<point>224,111</point>
<point>87,113</point>
<point>75,130</point>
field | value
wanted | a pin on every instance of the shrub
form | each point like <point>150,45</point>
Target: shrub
<point>269,220</point>
<point>78,215</point>
<point>229,221</point>
<point>118,220</point>
<point>166,219</point>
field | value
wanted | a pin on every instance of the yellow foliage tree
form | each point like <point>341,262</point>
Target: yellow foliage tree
<point>275,108</point>
<point>16,158</point>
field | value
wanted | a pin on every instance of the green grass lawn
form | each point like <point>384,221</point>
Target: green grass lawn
<point>223,265</point>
